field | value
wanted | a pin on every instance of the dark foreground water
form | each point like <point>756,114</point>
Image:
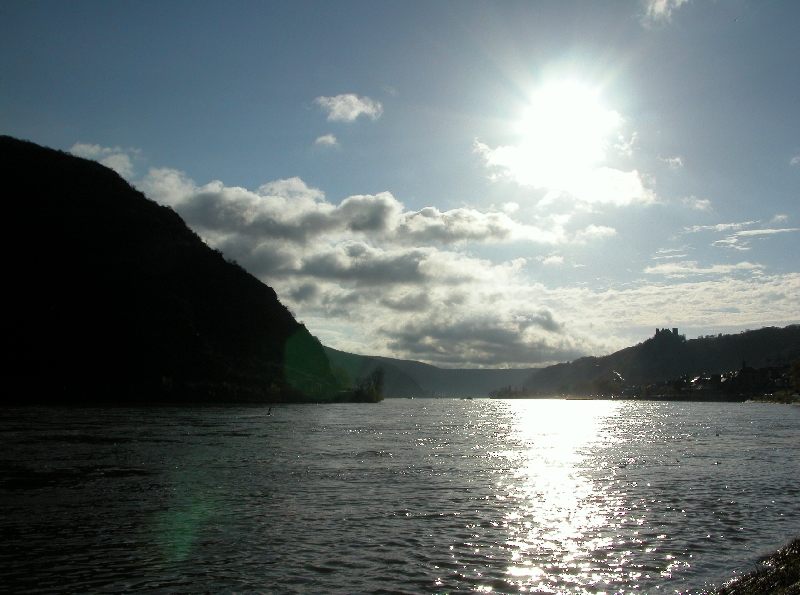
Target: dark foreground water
<point>417,496</point>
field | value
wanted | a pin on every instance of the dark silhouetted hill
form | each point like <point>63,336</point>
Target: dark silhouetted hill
<point>109,297</point>
<point>408,378</point>
<point>668,355</point>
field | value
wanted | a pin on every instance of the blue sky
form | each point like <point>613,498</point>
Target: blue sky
<point>464,183</point>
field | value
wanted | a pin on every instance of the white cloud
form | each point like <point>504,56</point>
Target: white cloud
<point>795,160</point>
<point>601,185</point>
<point>116,158</point>
<point>625,146</point>
<point>594,232</point>
<point>741,239</point>
<point>326,140</point>
<point>697,204</point>
<point>749,233</point>
<point>660,11</point>
<point>719,227</point>
<point>348,107</point>
<point>564,138</point>
<point>167,186</point>
<point>670,253</point>
<point>709,302</point>
<point>687,268</point>
<point>675,162</point>
<point>551,260</point>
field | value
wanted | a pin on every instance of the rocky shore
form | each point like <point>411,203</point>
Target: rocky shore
<point>778,574</point>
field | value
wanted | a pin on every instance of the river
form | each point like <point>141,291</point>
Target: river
<point>404,496</point>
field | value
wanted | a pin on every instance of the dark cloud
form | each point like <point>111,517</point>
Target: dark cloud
<point>430,225</point>
<point>220,213</point>
<point>304,293</point>
<point>369,213</point>
<point>543,319</point>
<point>408,302</point>
<point>358,262</point>
<point>481,342</point>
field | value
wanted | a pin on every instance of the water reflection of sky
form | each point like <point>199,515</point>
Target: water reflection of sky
<point>557,514</point>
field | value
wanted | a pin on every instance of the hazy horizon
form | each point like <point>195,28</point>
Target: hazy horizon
<point>464,184</point>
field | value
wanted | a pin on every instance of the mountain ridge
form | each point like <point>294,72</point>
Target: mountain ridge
<point>113,299</point>
<point>666,356</point>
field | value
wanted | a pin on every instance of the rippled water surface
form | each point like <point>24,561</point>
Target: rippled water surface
<point>417,496</point>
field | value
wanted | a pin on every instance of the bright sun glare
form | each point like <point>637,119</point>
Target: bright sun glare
<point>564,133</point>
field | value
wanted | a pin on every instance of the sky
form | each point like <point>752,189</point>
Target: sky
<point>469,184</point>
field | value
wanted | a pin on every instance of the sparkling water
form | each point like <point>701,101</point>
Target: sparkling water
<point>404,496</point>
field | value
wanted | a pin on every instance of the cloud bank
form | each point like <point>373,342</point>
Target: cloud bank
<point>368,262</point>
<point>369,275</point>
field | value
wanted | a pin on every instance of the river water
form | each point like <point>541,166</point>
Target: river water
<point>405,496</point>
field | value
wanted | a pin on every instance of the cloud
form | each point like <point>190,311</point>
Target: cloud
<point>688,268</point>
<point>594,232</point>
<point>697,204</point>
<point>625,146</point>
<point>290,210</point>
<point>326,140</point>
<point>660,11</point>
<point>675,162</point>
<point>564,140</point>
<point>411,301</point>
<point>707,302</point>
<point>457,225</point>
<point>116,158</point>
<point>361,263</point>
<point>670,253</point>
<point>369,213</point>
<point>391,273</point>
<point>348,107</point>
<point>515,339</point>
<point>719,227</point>
<point>595,185</point>
<point>795,160</point>
<point>551,260</point>
<point>741,239</point>
<point>749,233</point>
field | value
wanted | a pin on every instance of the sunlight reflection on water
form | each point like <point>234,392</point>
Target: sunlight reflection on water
<point>422,496</point>
<point>556,509</point>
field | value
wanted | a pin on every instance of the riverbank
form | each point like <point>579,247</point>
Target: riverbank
<point>778,574</point>
<point>782,397</point>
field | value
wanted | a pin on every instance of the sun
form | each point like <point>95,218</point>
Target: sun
<point>563,133</point>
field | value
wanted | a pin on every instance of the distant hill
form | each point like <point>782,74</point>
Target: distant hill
<point>408,378</point>
<point>109,297</point>
<point>668,355</point>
